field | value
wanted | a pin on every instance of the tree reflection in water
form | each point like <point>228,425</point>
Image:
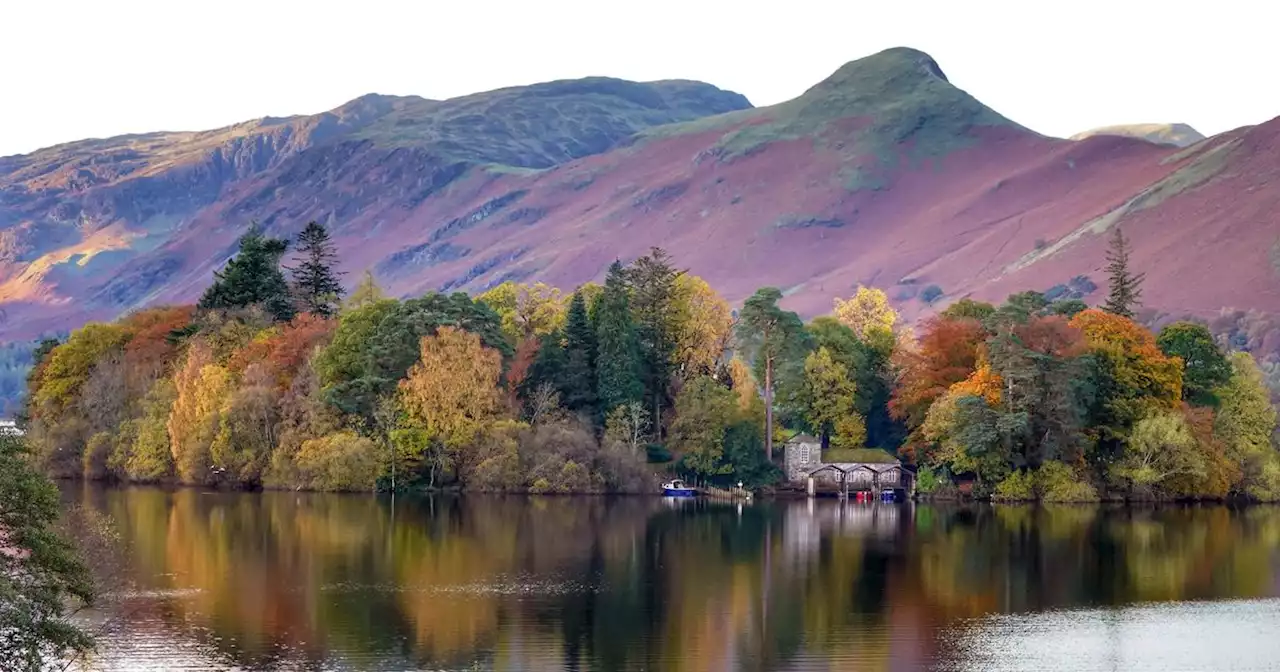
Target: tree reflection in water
<point>263,580</point>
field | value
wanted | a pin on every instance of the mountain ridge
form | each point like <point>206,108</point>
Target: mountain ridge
<point>884,173</point>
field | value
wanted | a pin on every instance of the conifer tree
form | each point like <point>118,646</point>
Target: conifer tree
<point>1126,287</point>
<point>577,366</point>
<point>315,282</point>
<point>653,301</point>
<point>618,352</point>
<point>252,277</point>
<point>770,336</point>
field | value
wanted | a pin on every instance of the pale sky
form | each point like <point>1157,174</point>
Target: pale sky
<point>93,68</point>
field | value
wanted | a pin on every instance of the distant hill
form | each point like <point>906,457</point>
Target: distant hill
<point>1176,135</point>
<point>883,174</point>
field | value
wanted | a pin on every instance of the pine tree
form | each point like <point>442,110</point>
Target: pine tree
<point>252,277</point>
<point>653,297</point>
<point>315,282</point>
<point>577,366</point>
<point>771,337</point>
<point>618,354</point>
<point>1126,287</point>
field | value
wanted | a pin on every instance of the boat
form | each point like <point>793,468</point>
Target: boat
<point>677,488</point>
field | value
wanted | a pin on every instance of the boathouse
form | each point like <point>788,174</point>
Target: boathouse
<point>805,466</point>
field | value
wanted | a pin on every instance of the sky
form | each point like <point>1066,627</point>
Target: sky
<point>76,69</point>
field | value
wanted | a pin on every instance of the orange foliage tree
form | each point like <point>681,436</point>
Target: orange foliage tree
<point>947,353</point>
<point>1134,378</point>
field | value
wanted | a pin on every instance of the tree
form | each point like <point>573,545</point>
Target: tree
<point>947,352</point>
<point>628,425</point>
<point>1160,448</point>
<point>315,282</point>
<point>866,311</point>
<point>1125,294</point>
<point>769,335</point>
<point>828,400</point>
<point>968,308</point>
<point>366,292</point>
<point>40,576</point>
<point>452,392</point>
<point>704,410</point>
<point>703,326</point>
<point>577,384</point>
<point>527,311</point>
<point>252,277</point>
<point>655,290</point>
<point>1133,379</point>
<point>202,387</point>
<point>1245,423</point>
<point>618,354</point>
<point>1205,368</point>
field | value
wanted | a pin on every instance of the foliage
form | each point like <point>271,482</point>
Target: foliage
<point>527,311</point>
<point>1205,368</point>
<point>1245,424</point>
<point>252,278</point>
<point>1134,379</point>
<point>41,579</point>
<point>1160,448</point>
<point>1019,486</point>
<point>202,387</point>
<point>340,461</point>
<point>366,292</point>
<point>773,339</point>
<point>315,281</point>
<point>946,353</point>
<point>867,311</point>
<point>1125,294</point>
<point>703,325</point>
<point>618,364</point>
<point>704,411</point>
<point>828,399</point>
<point>654,294</point>
<point>1058,483</point>
<point>967,308</point>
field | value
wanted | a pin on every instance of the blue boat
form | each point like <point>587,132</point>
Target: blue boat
<point>677,488</point>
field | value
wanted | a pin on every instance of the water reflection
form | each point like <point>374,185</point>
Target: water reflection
<point>285,580</point>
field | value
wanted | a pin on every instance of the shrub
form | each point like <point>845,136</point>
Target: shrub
<point>1058,482</point>
<point>1020,486</point>
<point>931,293</point>
<point>340,461</point>
<point>657,453</point>
<point>927,480</point>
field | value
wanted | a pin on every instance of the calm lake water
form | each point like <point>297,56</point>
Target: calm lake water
<point>253,581</point>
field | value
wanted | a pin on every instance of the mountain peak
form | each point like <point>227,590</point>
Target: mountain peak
<point>897,64</point>
<point>1176,135</point>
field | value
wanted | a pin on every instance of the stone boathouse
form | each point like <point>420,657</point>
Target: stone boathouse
<point>804,466</point>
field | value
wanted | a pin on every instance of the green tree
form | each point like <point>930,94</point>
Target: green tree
<point>365,292</point>
<point>654,295</point>
<point>618,354</point>
<point>868,364</point>
<point>704,410</point>
<point>771,337</point>
<point>40,576</point>
<point>577,383</point>
<point>1125,294</point>
<point>1245,423</point>
<point>968,308</point>
<point>1205,368</point>
<point>829,399</point>
<point>252,277</point>
<point>315,281</point>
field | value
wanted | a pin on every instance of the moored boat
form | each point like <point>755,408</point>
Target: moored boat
<point>677,488</point>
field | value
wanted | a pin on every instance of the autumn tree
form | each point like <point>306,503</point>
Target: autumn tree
<point>618,362</point>
<point>1132,378</point>
<point>315,277</point>
<point>867,311</point>
<point>1160,448</point>
<point>252,277</point>
<point>1205,368</point>
<point>946,353</point>
<point>365,292</point>
<point>770,337</point>
<point>527,311</point>
<point>703,327</point>
<point>1245,423</point>
<point>202,387</point>
<point>452,392</point>
<point>1125,294</point>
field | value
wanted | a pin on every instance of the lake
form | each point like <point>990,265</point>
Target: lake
<point>281,580</point>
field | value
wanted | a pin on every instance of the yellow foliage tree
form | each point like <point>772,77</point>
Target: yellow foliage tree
<point>202,387</point>
<point>527,311</point>
<point>867,312</point>
<point>452,393</point>
<point>703,326</point>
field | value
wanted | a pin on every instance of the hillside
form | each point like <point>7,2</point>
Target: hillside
<point>883,174</point>
<point>1176,135</point>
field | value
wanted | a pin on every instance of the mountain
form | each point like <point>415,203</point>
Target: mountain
<point>1176,135</point>
<point>883,174</point>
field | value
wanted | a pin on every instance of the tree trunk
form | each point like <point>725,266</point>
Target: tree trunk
<point>768,408</point>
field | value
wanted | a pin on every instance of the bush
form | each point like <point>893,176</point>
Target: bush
<point>340,461</point>
<point>931,293</point>
<point>1020,486</point>
<point>1057,482</point>
<point>927,480</point>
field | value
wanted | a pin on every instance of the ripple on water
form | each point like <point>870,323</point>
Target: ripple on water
<point>1238,635</point>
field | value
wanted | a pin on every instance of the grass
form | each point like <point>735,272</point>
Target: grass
<point>871,455</point>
